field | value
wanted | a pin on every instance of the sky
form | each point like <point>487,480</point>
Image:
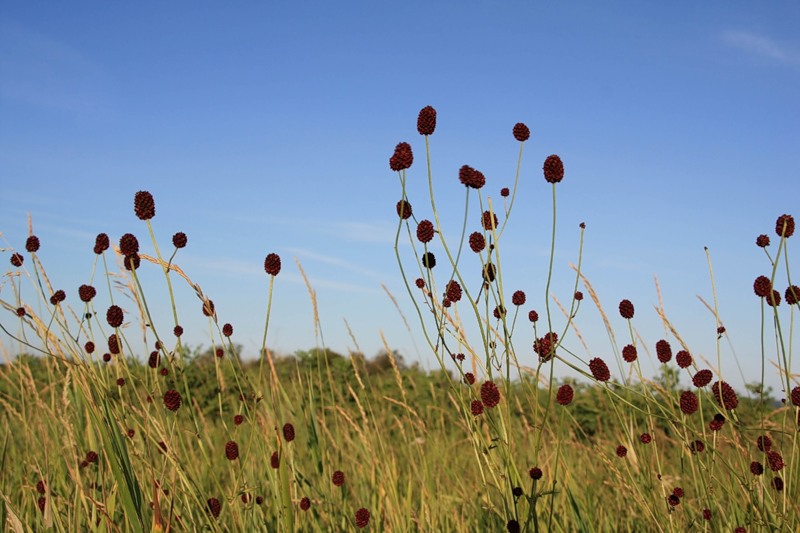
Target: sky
<point>267,127</point>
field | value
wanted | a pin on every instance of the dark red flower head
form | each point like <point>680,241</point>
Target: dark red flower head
<point>504,192</point>
<point>214,507</point>
<point>208,307</point>
<point>114,316</point>
<point>774,299</point>
<point>476,407</point>
<point>626,309</point>
<point>702,378</point>
<point>172,400</point>
<point>476,242</point>
<point>521,132</point>
<point>629,353</point>
<point>535,473</point>
<point>689,402</point>
<point>272,264</point>
<point>512,526</point>
<point>553,169</point>
<point>426,121</point>
<point>645,438</point>
<point>518,298</point>
<point>683,358</point>
<point>179,240</point>
<point>792,295</point>
<point>453,291</point>
<point>775,461</point>
<point>545,346</point>
<point>663,351</point>
<point>533,316</point>
<point>762,286</point>
<point>756,468</point>
<point>490,394</point>
<point>275,460</point>
<point>227,330</point>
<point>32,244</point>
<point>425,231</point>
<point>113,343</point>
<point>764,443</point>
<point>471,177</point>
<point>362,518</point>
<point>231,450</point>
<point>17,260</point>
<point>402,157</point>
<point>132,261</point>
<point>288,432</point>
<point>58,297</point>
<point>724,395</point>
<point>428,260</point>
<point>338,478</point>
<point>489,220</point>
<point>622,451</point>
<point>86,293</point>
<point>784,226</point>
<point>177,331</point>
<point>144,205</point>
<point>762,241</point>
<point>796,396</point>
<point>305,503</point>
<point>565,394</point>
<point>403,209</point>
<point>599,369</point>
<point>101,243</point>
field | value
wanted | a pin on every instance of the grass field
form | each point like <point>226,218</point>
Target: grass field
<point>98,437</point>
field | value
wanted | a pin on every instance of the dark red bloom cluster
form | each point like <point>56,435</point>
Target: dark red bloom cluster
<point>645,438</point>
<point>697,446</point>
<point>288,432</point>
<point>784,226</point>
<point>717,423</point>
<point>402,157</point>
<point>663,351</point>
<point>86,293</point>
<point>476,242</point>
<point>32,244</point>
<point>512,526</point>
<point>214,507</point>
<point>578,295</point>
<point>626,309</point>
<point>629,353</point>
<point>702,378</point>
<point>764,443</point>
<point>144,205</point>
<point>208,307</point>
<point>362,518</point>
<point>599,369</point>
<point>518,298</point>
<point>792,294</point>
<point>504,192</point>
<point>153,359</point>
<point>489,220</point>
<point>453,290</point>
<point>220,353</point>
<point>128,244</point>
<point>420,283</point>
<point>762,286</point>
<point>673,500</point>
<point>58,297</point>
<point>238,419</point>
<point>545,346</point>
<point>338,478</point>
<point>775,461</point>
<point>172,400</point>
<point>689,402</point>
<point>426,121</point>
<point>762,241</point>
<point>40,487</point>
<point>305,503</point>
<point>476,407</point>
<point>469,378</point>
<point>499,312</point>
<point>403,209</point>
<point>231,450</point>
<point>488,272</point>
<point>796,396</point>
<point>471,177</point>
<point>92,457</point>
<point>272,264</point>
<point>21,312</point>
<point>533,316</point>
<point>535,473</point>
<point>756,468</point>
<point>89,347</point>
<point>683,358</point>
<point>774,299</point>
<point>490,394</point>
<point>179,240</point>
<point>177,331</point>
<point>425,231</point>
<point>115,316</point>
<point>565,394</point>
<point>275,460</point>
<point>428,260</point>
<point>622,451</point>
<point>726,397</point>
<point>553,169</point>
<point>101,243</point>
<point>227,330</point>
<point>132,261</point>
<point>521,132</point>
<point>777,483</point>
<point>17,260</point>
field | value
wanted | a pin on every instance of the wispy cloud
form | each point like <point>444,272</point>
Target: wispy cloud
<point>334,261</point>
<point>377,233</point>
<point>762,46</point>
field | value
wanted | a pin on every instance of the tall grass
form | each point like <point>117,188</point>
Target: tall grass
<point>99,437</point>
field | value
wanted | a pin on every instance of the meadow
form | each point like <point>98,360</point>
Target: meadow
<point>98,435</point>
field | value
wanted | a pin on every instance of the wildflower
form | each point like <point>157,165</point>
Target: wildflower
<point>663,351</point>
<point>238,419</point>
<point>91,457</point>
<point>707,514</point>
<point>784,226</point>
<point>677,491</point>
<point>259,500</point>
<point>702,378</point>
<point>227,330</point>
<point>338,478</point>
<point>17,260</point>
<point>629,353</point>
<point>764,443</point>
<point>533,316</point>
<point>305,503</point>
<point>232,450</point>
<point>683,359</point>
<point>565,394</point>
<point>58,297</point>
<point>120,382</point>
<point>626,309</point>
<point>132,261</point>
<point>490,394</point>
<point>489,220</point>
<point>622,451</point>
<point>172,400</point>
<point>21,312</point>
<point>516,492</point>
<point>40,487</point>
<point>428,260</point>
<point>131,433</point>
<point>403,209</point>
<point>214,507</point>
<point>114,316</point>
<point>101,243</point>
<point>128,244</point>
<point>420,283</point>
<point>796,396</point>
<point>219,352</point>
<point>518,298</point>
<point>469,378</point>
<point>476,408</point>
<point>41,503</point>
<point>535,473</point>
<point>513,526</point>
<point>545,346</point>
<point>402,157</point>
<point>144,206</point>
<point>426,121</point>
<point>762,286</point>
<point>578,295</point>
<point>726,397</point>
<point>208,307</point>
<point>476,242</point>
<point>32,244</point>
<point>792,295</point>
<point>521,132</point>
<point>645,438</point>
<point>762,241</point>
<point>288,432</point>
<point>425,231</point>
<point>775,461</point>
<point>470,177</point>
<point>717,423</point>
<point>777,483</point>
<point>453,290</point>
<point>689,402</point>
<point>499,312</point>
<point>504,192</point>
<point>673,500</point>
<point>179,240</point>
<point>756,468</point>
<point>553,169</point>
<point>488,272</point>
<point>599,369</point>
<point>720,330</point>
<point>272,264</point>
<point>697,446</point>
<point>177,331</point>
<point>362,518</point>
<point>275,460</point>
<point>106,357</point>
<point>774,299</point>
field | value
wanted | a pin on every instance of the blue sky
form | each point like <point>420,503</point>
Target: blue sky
<point>268,127</point>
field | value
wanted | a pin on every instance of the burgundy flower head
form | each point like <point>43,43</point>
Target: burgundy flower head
<point>114,316</point>
<point>179,240</point>
<point>489,220</point>
<point>622,451</point>
<point>784,226</point>
<point>403,209</point>
<point>471,178</point>
<point>288,432</point>
<point>599,369</point>
<point>231,450</point>
<point>362,518</point>
<point>86,293</point>
<point>689,402</point>
<point>17,260</point>
<point>476,242</point>
<point>702,378</point>
<point>214,507</point>
<point>58,297</point>
<point>338,478</point>
<point>535,473</point>
<point>272,264</point>
<point>645,438</point>
<point>227,330</point>
<point>762,241</point>
<point>428,260</point>
<point>521,132</point>
<point>683,358</point>
<point>792,295</point>
<point>533,316</point>
<point>402,157</point>
<point>626,309</point>
<point>724,395</point>
<point>476,408</point>
<point>553,169</point>
<point>504,192</point>
<point>144,205</point>
<point>545,346</point>
<point>101,243</point>
<point>425,231</point>
<point>490,394</point>
<point>629,353</point>
<point>453,291</point>
<point>128,244</point>
<point>774,299</point>
<point>32,244</point>
<point>663,351</point>
<point>796,396</point>
<point>518,298</point>
<point>565,394</point>
<point>172,400</point>
<point>426,121</point>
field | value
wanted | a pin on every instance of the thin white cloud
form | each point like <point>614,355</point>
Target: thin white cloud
<point>762,46</point>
